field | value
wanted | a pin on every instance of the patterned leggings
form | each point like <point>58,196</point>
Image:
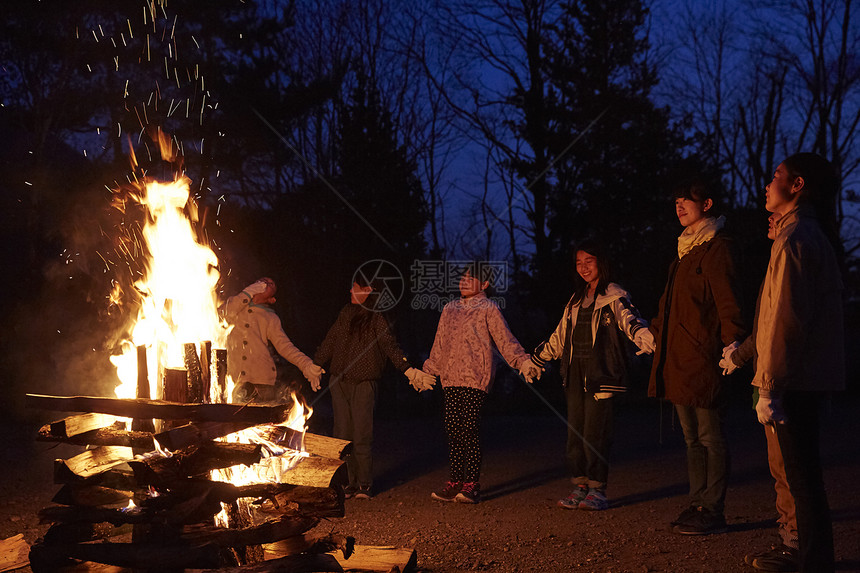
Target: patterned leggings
<point>462,413</point>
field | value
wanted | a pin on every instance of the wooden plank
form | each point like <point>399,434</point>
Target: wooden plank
<point>327,447</point>
<point>102,437</point>
<point>312,543</point>
<point>93,462</point>
<point>74,425</point>
<point>82,494</point>
<point>161,409</point>
<point>370,558</point>
<point>317,472</point>
<point>14,553</point>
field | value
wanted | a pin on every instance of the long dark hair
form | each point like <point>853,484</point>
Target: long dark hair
<point>597,251</point>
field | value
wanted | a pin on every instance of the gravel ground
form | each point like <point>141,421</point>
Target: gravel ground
<point>518,528</point>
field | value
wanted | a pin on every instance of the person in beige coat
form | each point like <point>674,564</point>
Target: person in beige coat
<point>253,325</point>
<point>799,347</point>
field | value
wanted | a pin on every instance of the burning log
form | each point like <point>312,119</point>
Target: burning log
<point>162,409</point>
<point>176,385</point>
<point>111,436</point>
<point>193,461</point>
<point>144,425</point>
<point>196,390</point>
<point>220,362</point>
<point>272,498</point>
<point>198,433</point>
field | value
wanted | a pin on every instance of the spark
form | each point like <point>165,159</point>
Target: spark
<point>95,36</point>
<point>130,32</point>
<point>193,39</point>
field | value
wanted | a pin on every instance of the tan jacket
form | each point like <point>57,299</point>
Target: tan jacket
<point>799,334</point>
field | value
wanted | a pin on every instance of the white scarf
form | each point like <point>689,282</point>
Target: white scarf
<point>691,239</point>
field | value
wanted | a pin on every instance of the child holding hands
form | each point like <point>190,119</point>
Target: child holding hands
<point>462,356</point>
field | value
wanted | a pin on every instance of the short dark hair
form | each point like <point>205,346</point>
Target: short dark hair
<point>820,190</point>
<point>698,188</point>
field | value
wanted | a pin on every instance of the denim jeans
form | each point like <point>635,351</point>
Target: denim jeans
<point>352,404</point>
<point>589,437</point>
<point>707,456</point>
<point>798,439</point>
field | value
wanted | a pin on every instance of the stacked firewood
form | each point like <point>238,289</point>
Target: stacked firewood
<point>145,501</point>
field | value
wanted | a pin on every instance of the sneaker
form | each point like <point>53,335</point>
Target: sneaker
<point>349,491</point>
<point>449,492</point>
<point>780,558</point>
<point>576,496</point>
<point>594,501</point>
<point>470,493</point>
<point>702,522</point>
<point>684,515</point>
<point>363,492</point>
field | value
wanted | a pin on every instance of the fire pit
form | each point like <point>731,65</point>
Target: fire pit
<point>188,480</point>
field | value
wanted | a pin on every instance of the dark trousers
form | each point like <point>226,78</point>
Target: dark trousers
<point>589,437</point>
<point>462,414</point>
<point>707,456</point>
<point>352,404</point>
<point>799,442</point>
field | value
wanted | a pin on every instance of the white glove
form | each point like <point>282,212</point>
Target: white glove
<point>256,288</point>
<point>769,408</point>
<point>530,371</point>
<point>645,341</point>
<point>602,395</point>
<point>726,363</point>
<point>314,374</point>
<point>420,380</point>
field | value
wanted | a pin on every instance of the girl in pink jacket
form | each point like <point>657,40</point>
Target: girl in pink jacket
<point>462,356</point>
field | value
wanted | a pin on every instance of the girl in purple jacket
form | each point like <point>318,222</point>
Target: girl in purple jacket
<point>462,357</point>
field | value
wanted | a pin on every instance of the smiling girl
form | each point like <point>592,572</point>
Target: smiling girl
<point>589,340</point>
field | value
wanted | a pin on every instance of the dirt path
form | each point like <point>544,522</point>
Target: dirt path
<point>518,528</point>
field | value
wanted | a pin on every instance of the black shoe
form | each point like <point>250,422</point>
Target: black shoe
<point>349,491</point>
<point>702,522</point>
<point>780,558</point>
<point>363,492</point>
<point>685,515</point>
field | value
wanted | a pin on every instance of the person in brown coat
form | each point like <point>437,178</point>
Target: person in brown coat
<point>699,314</point>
